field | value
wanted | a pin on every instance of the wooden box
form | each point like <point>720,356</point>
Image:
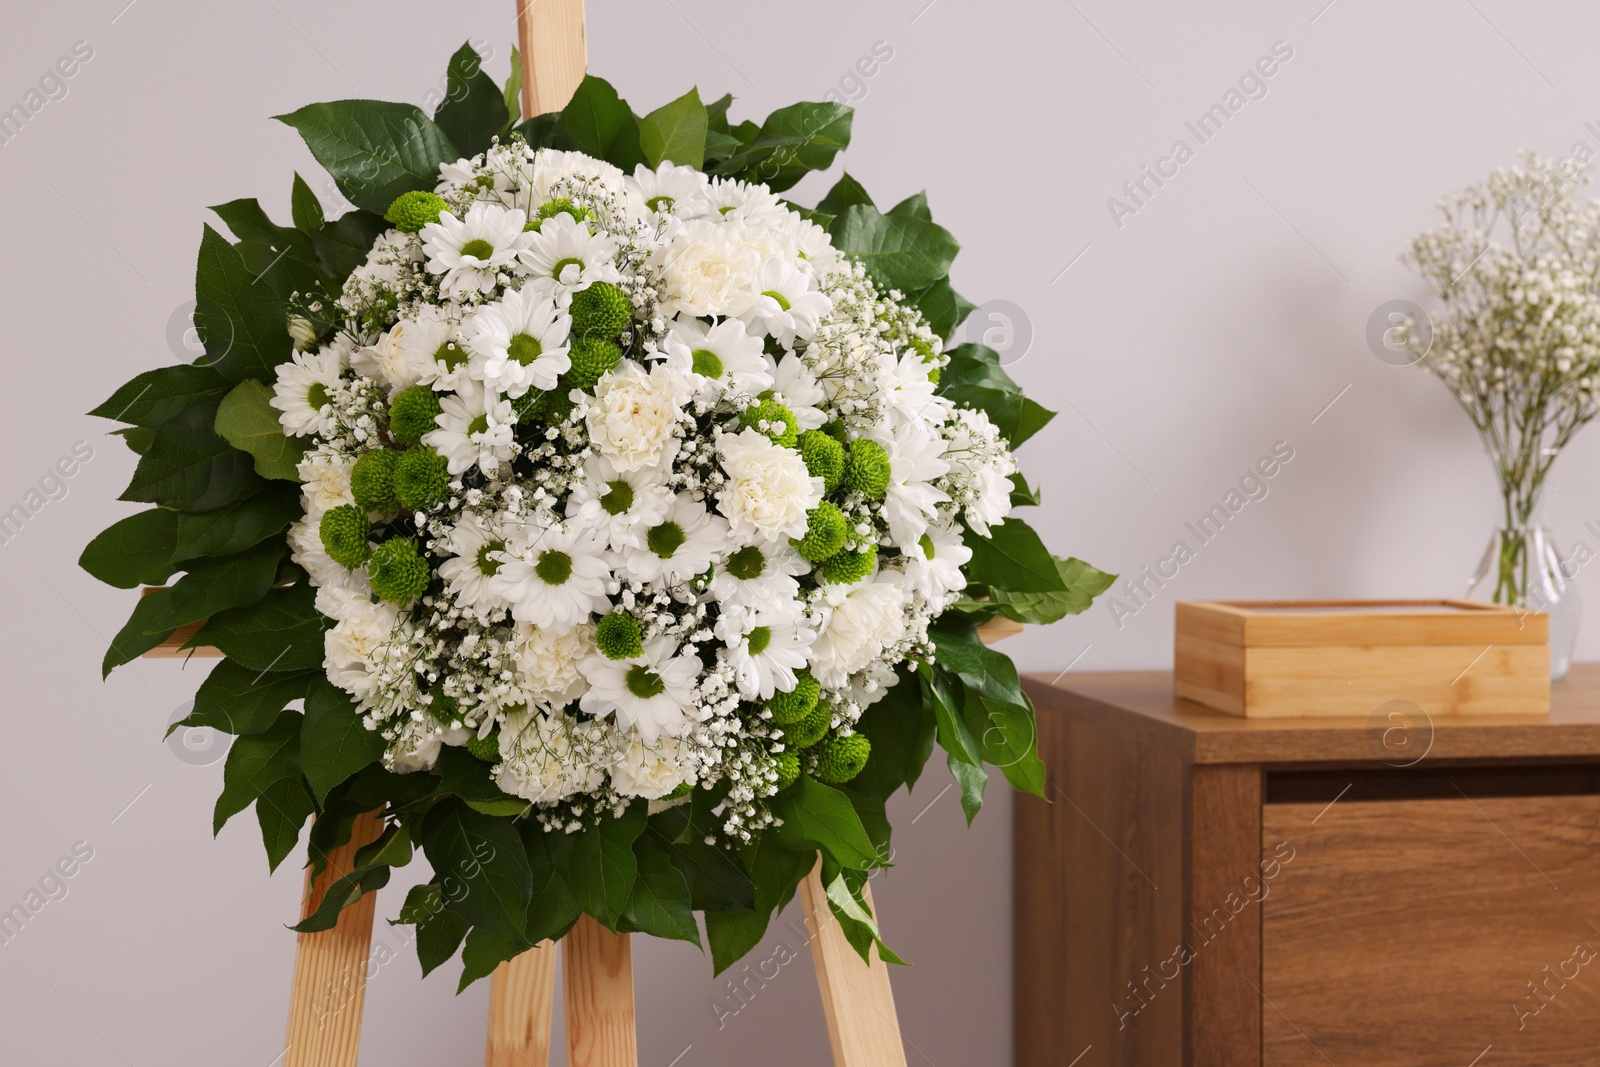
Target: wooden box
<point>1325,658</point>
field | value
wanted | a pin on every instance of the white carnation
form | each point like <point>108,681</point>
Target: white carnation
<point>634,415</point>
<point>862,621</point>
<point>769,489</point>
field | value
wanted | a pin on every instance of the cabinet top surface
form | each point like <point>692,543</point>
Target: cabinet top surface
<point>1142,704</point>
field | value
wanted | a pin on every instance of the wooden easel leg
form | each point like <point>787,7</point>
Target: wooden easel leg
<point>597,989</point>
<point>856,999</point>
<point>330,968</point>
<point>520,996</point>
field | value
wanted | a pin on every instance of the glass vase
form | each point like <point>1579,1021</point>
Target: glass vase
<point>1522,569</point>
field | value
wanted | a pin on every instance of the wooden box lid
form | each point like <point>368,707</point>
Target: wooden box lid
<point>1298,623</point>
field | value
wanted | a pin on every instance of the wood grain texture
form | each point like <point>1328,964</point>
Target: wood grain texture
<point>1142,705</point>
<point>863,1028</point>
<point>597,992</point>
<point>330,968</point>
<point>521,993</point>
<point>1304,623</point>
<point>555,55</point>
<point>1222,888</point>
<point>1099,901</point>
<point>1408,932</point>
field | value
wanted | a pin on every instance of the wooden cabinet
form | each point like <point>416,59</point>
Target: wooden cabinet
<point>1209,890</point>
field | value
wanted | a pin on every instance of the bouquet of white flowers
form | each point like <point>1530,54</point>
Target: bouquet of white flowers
<point>608,513</point>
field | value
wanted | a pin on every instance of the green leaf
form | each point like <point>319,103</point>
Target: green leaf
<point>333,742</point>
<point>473,110</point>
<point>189,466</point>
<point>481,865</point>
<point>340,895</point>
<point>732,934</point>
<point>900,251</point>
<point>391,849</point>
<point>133,551</point>
<point>511,95</point>
<point>247,420</point>
<point>660,903</point>
<point>600,865</point>
<point>235,527</point>
<point>282,810</point>
<point>719,146</point>
<point>676,132</point>
<point>240,322</point>
<point>846,192</point>
<point>155,396</point>
<point>971,778</point>
<point>914,206</point>
<point>1024,495</point>
<point>137,438</point>
<point>552,907</point>
<point>1013,558</point>
<point>343,244</point>
<point>463,775</point>
<point>238,700</point>
<point>143,631</point>
<point>961,652</point>
<point>901,728</point>
<point>715,879</point>
<point>717,113</point>
<point>794,141</point>
<point>943,307</point>
<point>215,585</point>
<point>601,124</point>
<point>281,632</point>
<point>256,762</point>
<point>954,737</point>
<point>304,206</point>
<point>817,816</point>
<point>1083,583</point>
<point>374,149</point>
<point>846,903</point>
<point>439,930</point>
<point>541,130</point>
<point>1010,740</point>
<point>487,949</point>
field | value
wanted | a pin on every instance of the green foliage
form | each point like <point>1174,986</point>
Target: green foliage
<point>825,532</point>
<point>473,110</point>
<point>599,122</point>
<point>482,858</point>
<point>333,743</point>
<point>238,700</point>
<point>134,551</point>
<point>676,132</point>
<point>1013,558</point>
<point>1082,584</point>
<point>599,863</point>
<point>974,378</point>
<point>824,458</point>
<point>901,252</point>
<point>820,817</point>
<point>791,143</point>
<point>189,467</point>
<point>247,420</point>
<point>375,150</point>
<point>421,478</point>
<point>156,396</point>
<point>242,325</point>
<point>256,762</point>
<point>372,481</point>
<point>398,574</point>
<point>280,632</point>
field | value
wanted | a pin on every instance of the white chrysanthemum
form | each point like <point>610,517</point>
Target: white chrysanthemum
<point>981,467</point>
<point>520,343</point>
<point>765,648</point>
<point>759,576</point>
<point>811,243</point>
<point>564,256</point>
<point>908,392</point>
<point>686,542</point>
<point>619,505</point>
<point>436,350</point>
<point>667,187</point>
<point>652,693</point>
<point>545,757</point>
<point>475,545</point>
<point>471,252</point>
<point>358,642</point>
<point>861,622</point>
<point>303,393</point>
<point>738,202</point>
<point>548,664</point>
<point>324,483</point>
<point>933,565</point>
<point>651,770</point>
<point>475,428</point>
<point>796,388</point>
<point>915,461</point>
<point>551,165</point>
<point>555,577</point>
<point>784,302</point>
<point>633,418</point>
<point>769,489</point>
<point>717,360</point>
<point>707,270</point>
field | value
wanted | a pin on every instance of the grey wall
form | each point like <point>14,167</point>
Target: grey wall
<point>1224,316</point>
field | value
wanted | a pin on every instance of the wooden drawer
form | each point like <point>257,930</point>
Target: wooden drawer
<point>1443,930</point>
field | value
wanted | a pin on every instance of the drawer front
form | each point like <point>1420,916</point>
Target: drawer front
<point>1447,931</point>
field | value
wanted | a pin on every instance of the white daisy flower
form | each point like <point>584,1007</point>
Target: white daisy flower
<point>933,565</point>
<point>304,391</point>
<point>784,302</point>
<point>765,648</point>
<point>436,351</point>
<point>549,664</point>
<point>651,769</point>
<point>564,256</point>
<point>759,576</point>
<point>633,418</point>
<point>915,460</point>
<point>666,187</point>
<point>707,270</point>
<point>769,490</point>
<point>687,541</point>
<point>908,392</point>
<point>652,693</point>
<point>520,343</point>
<point>619,505</point>
<point>737,201</point>
<point>555,577</point>
<point>471,252</point>
<point>475,428</point>
<point>717,360</point>
<point>796,388</point>
<point>475,544</point>
<point>861,621</point>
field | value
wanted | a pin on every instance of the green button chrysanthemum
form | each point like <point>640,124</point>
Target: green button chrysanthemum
<point>788,769</point>
<point>372,481</point>
<point>591,357</point>
<point>602,310</point>
<point>824,458</point>
<point>840,759</point>
<point>825,532</point>
<point>411,414</point>
<point>421,479</point>
<point>849,566</point>
<point>412,211</point>
<point>485,748</point>
<point>398,574</point>
<point>344,531</point>
<point>793,706</point>
<point>617,636</point>
<point>867,470</point>
<point>772,419</point>
<point>809,730</point>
